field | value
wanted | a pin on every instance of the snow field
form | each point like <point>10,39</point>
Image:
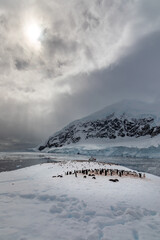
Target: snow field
<point>35,206</point>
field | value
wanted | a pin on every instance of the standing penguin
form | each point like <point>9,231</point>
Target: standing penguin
<point>75,172</point>
<point>140,175</point>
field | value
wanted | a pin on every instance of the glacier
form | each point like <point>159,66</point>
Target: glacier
<point>120,151</point>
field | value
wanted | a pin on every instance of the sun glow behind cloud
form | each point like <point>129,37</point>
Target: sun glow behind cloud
<point>33,31</point>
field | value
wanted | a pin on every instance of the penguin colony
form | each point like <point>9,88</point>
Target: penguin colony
<point>104,172</point>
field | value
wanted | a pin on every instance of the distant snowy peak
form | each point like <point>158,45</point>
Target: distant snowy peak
<point>120,120</point>
<point>128,108</point>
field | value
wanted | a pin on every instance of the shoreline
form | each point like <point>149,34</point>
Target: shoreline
<point>11,165</point>
<point>14,161</point>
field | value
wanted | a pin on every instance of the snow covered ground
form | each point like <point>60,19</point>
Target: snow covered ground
<point>35,206</point>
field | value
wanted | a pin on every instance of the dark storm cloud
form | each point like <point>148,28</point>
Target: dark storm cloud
<point>56,44</point>
<point>21,64</point>
<point>89,20</point>
<point>89,54</point>
<point>136,76</point>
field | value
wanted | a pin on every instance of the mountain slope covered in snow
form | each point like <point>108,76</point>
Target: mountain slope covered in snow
<point>124,120</point>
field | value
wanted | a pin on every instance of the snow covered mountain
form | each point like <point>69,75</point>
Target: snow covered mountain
<point>123,120</point>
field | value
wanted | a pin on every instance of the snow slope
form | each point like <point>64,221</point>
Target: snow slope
<point>35,206</point>
<point>131,108</point>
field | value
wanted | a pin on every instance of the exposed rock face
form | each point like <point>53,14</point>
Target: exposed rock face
<point>110,127</point>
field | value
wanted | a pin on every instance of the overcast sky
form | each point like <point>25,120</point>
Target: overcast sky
<point>61,60</point>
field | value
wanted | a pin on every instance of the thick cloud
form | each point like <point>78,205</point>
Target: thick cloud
<point>89,54</point>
